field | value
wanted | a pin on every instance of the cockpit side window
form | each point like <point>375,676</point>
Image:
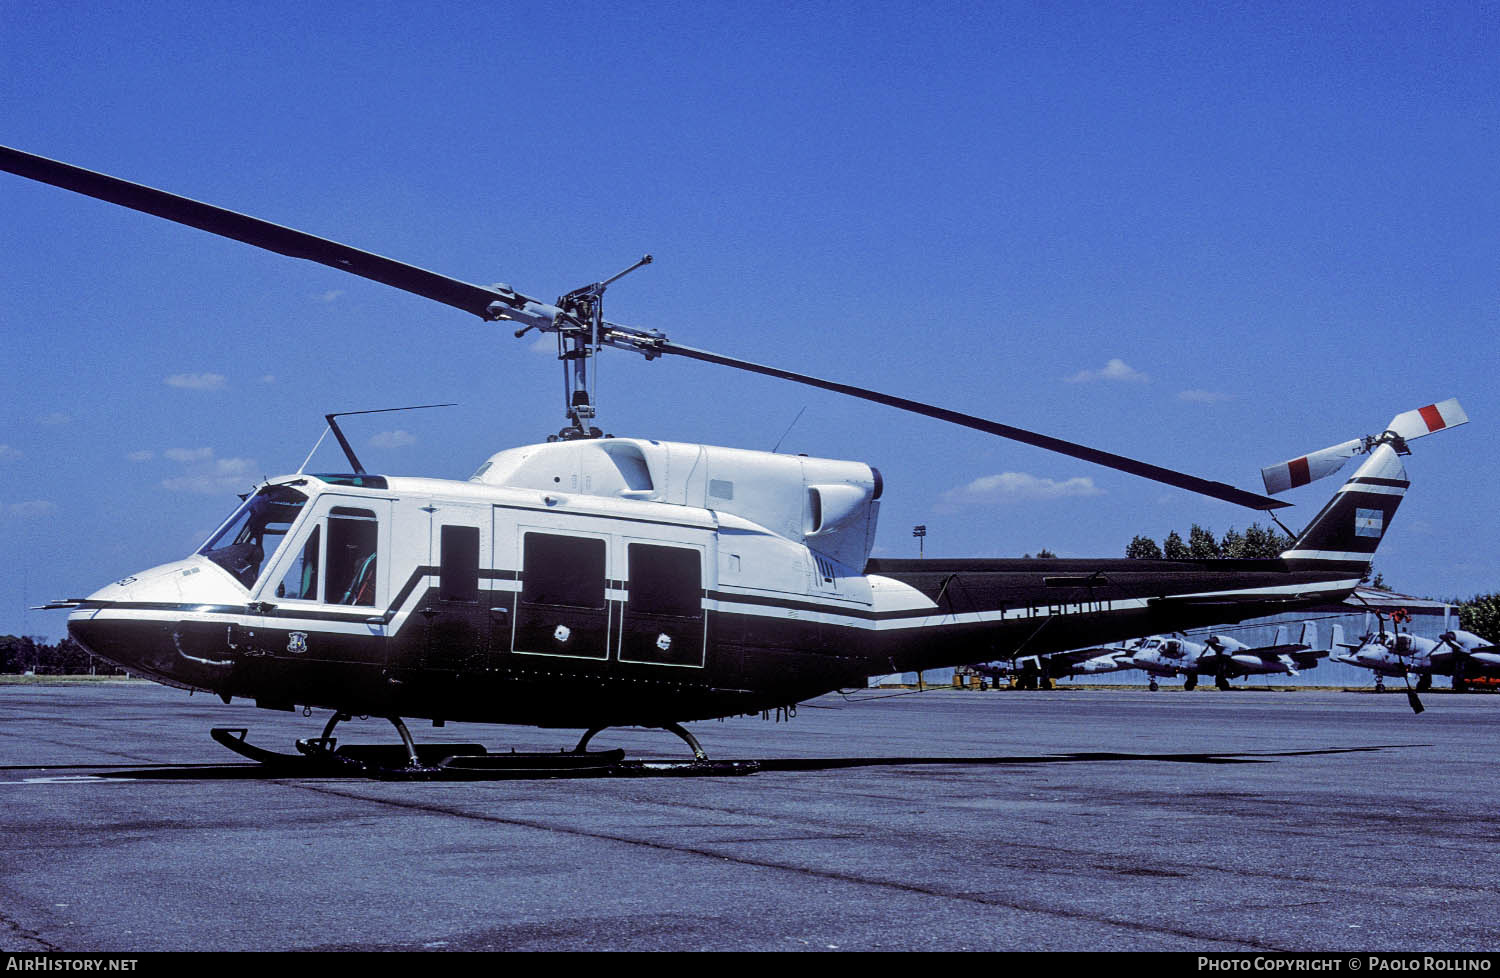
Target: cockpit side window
<point>249,540</point>
<point>301,580</point>
<point>352,535</point>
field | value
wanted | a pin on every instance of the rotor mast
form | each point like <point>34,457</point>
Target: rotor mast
<point>581,331</point>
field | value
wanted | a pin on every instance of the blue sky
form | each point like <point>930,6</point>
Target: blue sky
<point>1209,236</point>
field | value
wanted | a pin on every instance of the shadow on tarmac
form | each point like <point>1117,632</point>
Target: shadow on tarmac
<point>640,768</point>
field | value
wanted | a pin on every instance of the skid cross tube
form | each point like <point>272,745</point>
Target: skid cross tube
<point>699,754</point>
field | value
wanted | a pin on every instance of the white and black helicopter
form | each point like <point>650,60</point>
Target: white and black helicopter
<point>590,582</point>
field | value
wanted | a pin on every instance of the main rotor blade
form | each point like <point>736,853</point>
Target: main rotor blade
<point>1192,483</point>
<point>476,299</point>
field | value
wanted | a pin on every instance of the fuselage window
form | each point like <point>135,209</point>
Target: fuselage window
<point>563,571</point>
<point>352,535</point>
<point>458,564</point>
<point>665,581</point>
<point>301,580</point>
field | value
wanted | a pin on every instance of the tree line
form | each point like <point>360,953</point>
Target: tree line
<point>1256,541</point>
<point>1480,615</point>
<point>20,654</point>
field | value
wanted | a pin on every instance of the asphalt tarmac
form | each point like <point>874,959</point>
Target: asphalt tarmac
<point>944,820</point>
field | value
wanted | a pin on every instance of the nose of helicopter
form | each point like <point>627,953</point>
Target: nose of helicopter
<point>166,623</point>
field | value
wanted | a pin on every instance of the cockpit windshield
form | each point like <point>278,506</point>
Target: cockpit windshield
<point>250,539</point>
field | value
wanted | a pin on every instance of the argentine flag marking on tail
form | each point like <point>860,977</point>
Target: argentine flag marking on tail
<point>1369,523</point>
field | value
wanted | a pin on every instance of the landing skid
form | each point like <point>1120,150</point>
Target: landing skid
<point>409,761</point>
<point>699,754</point>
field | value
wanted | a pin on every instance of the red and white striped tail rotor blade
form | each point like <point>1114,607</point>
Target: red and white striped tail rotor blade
<point>1310,468</point>
<point>1426,420</point>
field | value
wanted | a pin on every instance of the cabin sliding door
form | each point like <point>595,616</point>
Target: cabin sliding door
<point>562,608</point>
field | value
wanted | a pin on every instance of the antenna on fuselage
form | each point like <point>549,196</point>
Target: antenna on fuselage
<point>338,433</point>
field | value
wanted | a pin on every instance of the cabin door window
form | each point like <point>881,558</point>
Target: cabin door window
<point>353,536</point>
<point>663,620</point>
<point>562,608</point>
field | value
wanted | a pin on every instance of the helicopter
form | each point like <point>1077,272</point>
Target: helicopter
<point>590,582</point>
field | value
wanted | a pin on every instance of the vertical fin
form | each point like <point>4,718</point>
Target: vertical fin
<point>1350,526</point>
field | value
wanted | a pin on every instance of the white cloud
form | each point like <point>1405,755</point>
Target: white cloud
<point>7,453</point>
<point>393,439</point>
<point>1115,369</point>
<point>268,379</point>
<point>1009,487</point>
<point>56,418</point>
<point>544,343</point>
<point>1204,397</point>
<point>31,507</point>
<point>225,475</point>
<point>141,456</point>
<point>197,382</point>
<point>189,454</point>
<point>328,296</point>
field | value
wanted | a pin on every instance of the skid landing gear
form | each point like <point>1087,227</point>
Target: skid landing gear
<point>323,756</point>
<point>410,761</point>
<point>698,752</point>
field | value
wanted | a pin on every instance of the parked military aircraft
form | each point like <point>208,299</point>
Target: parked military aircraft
<point>1457,653</point>
<point>1039,671</point>
<point>1226,658</point>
